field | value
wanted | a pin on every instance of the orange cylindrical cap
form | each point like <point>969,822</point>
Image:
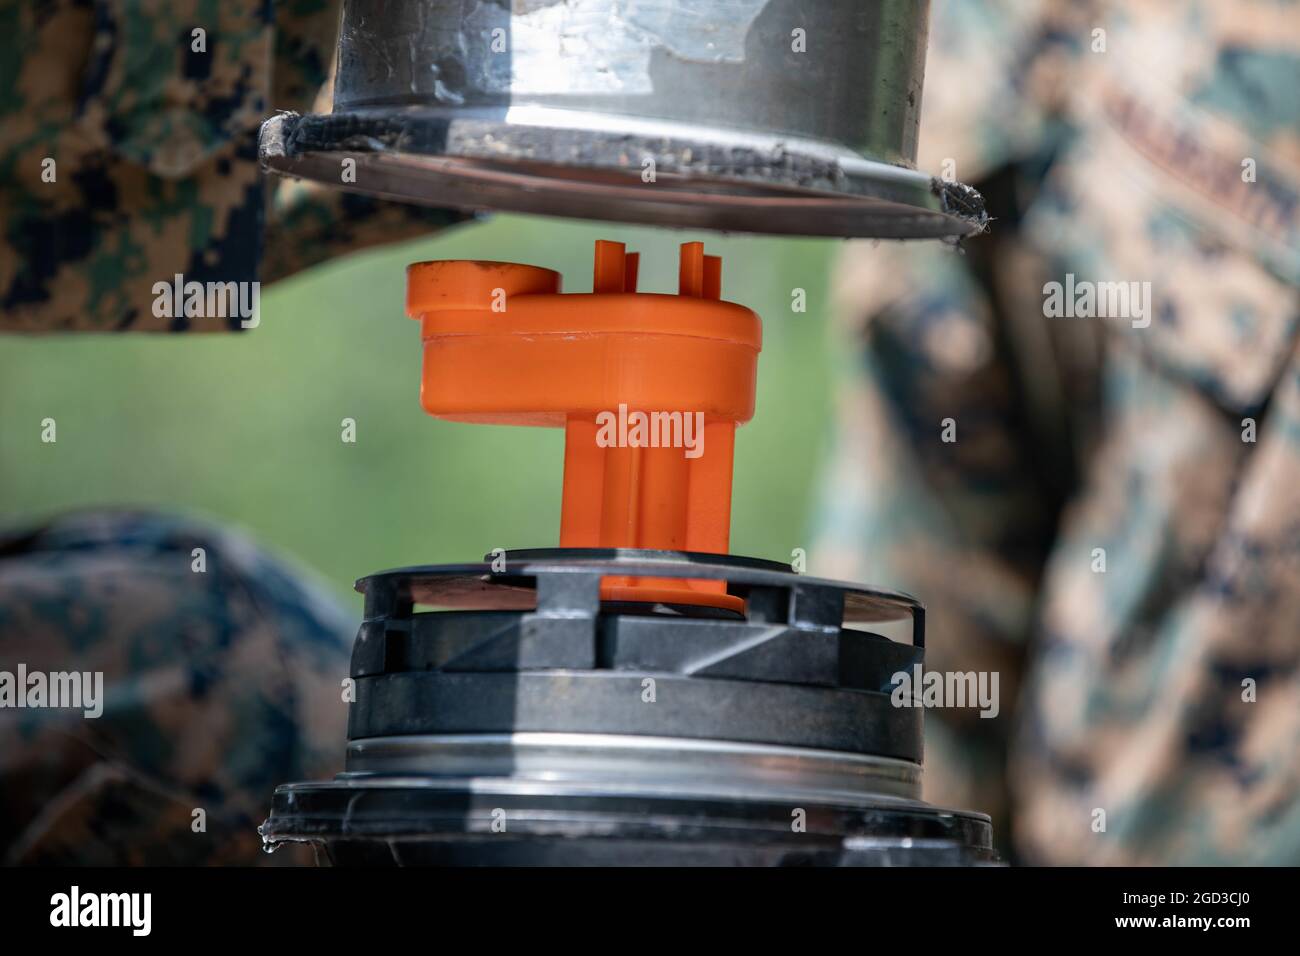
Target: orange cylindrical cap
<point>648,387</point>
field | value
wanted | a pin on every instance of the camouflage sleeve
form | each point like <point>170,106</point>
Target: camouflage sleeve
<point>128,157</point>
<point>207,673</point>
<point>309,224</point>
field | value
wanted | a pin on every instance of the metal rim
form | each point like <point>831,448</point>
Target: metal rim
<point>559,162</point>
<point>618,763</point>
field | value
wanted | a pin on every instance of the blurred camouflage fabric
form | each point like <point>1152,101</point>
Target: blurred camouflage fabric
<point>1163,691</point>
<point>222,675</point>
<point>152,130</point>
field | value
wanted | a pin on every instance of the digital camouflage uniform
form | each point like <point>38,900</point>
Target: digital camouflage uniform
<point>154,144</point>
<point>1159,697</point>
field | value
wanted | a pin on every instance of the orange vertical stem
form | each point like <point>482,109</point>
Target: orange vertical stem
<point>708,520</point>
<point>583,477</point>
<point>663,503</point>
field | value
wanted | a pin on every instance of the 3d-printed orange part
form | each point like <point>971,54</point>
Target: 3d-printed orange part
<point>649,389</point>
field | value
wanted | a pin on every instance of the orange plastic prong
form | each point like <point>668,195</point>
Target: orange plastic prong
<point>712,277</point>
<point>632,261</point>
<point>610,273</point>
<point>690,276</point>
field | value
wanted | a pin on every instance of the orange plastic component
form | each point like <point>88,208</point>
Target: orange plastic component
<point>648,387</point>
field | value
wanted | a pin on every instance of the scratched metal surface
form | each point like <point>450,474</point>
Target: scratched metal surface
<point>729,63</point>
<point>776,116</point>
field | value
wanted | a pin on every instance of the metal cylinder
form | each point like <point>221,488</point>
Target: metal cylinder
<point>776,116</point>
<point>846,76</point>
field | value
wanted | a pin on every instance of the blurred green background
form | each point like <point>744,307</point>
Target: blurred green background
<point>245,428</point>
